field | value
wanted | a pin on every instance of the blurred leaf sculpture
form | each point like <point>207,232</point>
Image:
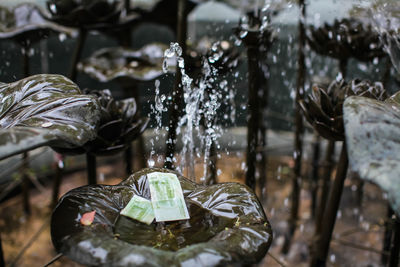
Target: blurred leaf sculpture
<point>344,39</point>
<point>125,64</point>
<point>227,225</point>
<point>88,13</point>
<point>101,15</point>
<point>118,127</point>
<point>372,132</point>
<point>25,24</point>
<point>45,110</point>
<point>323,109</point>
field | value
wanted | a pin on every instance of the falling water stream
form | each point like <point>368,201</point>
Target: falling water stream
<point>198,127</point>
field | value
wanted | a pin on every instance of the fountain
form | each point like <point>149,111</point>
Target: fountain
<point>212,97</point>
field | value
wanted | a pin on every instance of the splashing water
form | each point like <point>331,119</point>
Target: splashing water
<point>157,109</point>
<point>202,102</point>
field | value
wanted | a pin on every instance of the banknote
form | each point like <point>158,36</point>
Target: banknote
<point>167,197</point>
<point>139,209</point>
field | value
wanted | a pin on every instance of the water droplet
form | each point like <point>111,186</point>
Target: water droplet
<point>47,124</point>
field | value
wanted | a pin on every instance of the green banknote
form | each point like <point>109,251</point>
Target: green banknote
<point>139,209</point>
<point>167,197</point>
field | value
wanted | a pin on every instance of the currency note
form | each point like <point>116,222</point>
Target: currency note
<point>167,197</point>
<point>139,209</point>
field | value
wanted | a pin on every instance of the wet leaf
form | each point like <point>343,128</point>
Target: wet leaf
<point>45,110</point>
<point>108,64</point>
<point>373,142</point>
<point>227,225</point>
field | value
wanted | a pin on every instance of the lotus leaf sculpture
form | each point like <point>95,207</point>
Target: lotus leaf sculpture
<point>346,38</point>
<point>123,63</point>
<point>323,107</point>
<point>372,136</point>
<point>26,24</point>
<point>76,13</point>
<point>118,126</point>
<point>45,110</point>
<point>227,226</point>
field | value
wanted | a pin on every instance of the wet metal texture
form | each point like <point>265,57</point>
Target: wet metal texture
<point>45,110</point>
<point>108,64</point>
<point>227,226</point>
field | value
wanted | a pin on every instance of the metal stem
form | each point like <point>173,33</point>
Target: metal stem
<point>177,94</point>
<point>395,247</point>
<point>343,67</point>
<point>80,42</point>
<point>298,140</point>
<point>387,236</point>
<point>263,128</point>
<point>25,184</point>
<point>322,244</point>
<point>326,179</point>
<point>315,173</point>
<point>91,168</point>
<point>57,183</point>
<point>253,115</point>
<point>128,160</point>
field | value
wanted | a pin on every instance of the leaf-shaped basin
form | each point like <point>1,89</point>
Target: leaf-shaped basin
<point>26,24</point>
<point>373,142</point>
<point>227,226</point>
<point>42,110</point>
<point>108,64</point>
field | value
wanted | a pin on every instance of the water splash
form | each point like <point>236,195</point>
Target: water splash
<point>158,110</point>
<point>202,100</point>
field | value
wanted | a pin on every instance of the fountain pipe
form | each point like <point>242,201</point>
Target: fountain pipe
<point>128,155</point>
<point>262,108</point>
<point>213,165</point>
<point>177,94</point>
<point>57,182</point>
<point>328,222</point>
<point>91,168</point>
<point>253,113</point>
<point>210,174</point>
<point>298,140</point>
